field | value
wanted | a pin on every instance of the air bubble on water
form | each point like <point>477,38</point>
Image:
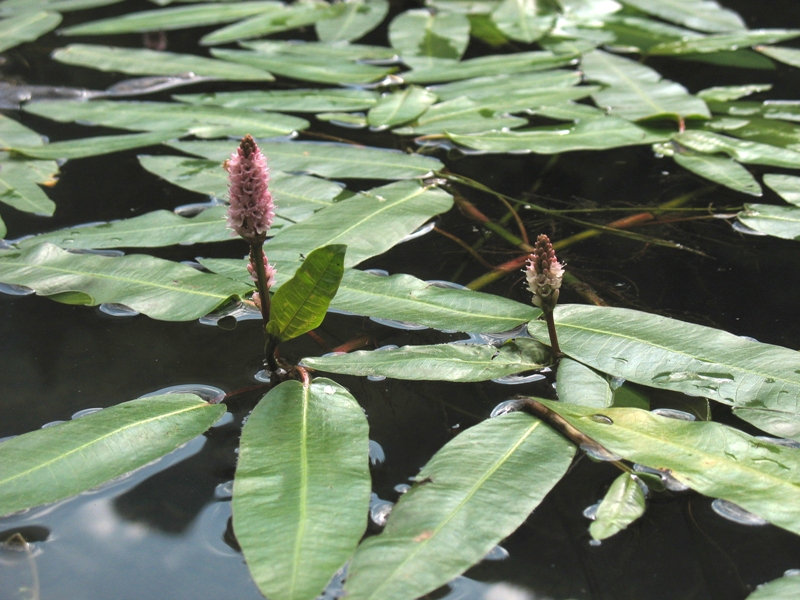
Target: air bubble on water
<point>85,412</point>
<point>209,393</point>
<point>407,325</point>
<point>779,441</point>
<point>446,284</point>
<point>377,272</point>
<point>671,413</point>
<point>400,488</point>
<point>616,382</point>
<point>590,512</point>
<point>672,484</point>
<point>11,289</point>
<point>263,376</point>
<point>518,379</point>
<point>748,338</point>
<point>599,453</point>
<point>742,228</point>
<point>598,418</point>
<point>52,424</point>
<point>594,542</point>
<point>419,232</point>
<point>734,512</point>
<point>225,418</point>
<point>504,407</point>
<point>95,252</point>
<point>379,510</point>
<point>190,210</point>
<point>376,454</point>
<point>239,311</point>
<point>116,309</point>
<point>791,573</point>
<point>376,378</point>
<point>497,553</point>
<point>224,491</point>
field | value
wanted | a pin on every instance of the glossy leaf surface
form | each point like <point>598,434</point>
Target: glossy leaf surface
<point>789,56</point>
<point>400,107</point>
<point>308,100</point>
<point>60,461</point>
<point>521,62</point>
<point>742,151</point>
<point>779,221</point>
<point>461,115</point>
<point>622,505</point>
<point>786,186</point>
<point>302,486</point>
<point>722,170</point>
<point>703,15</point>
<point>578,384</point>
<point>724,42</point>
<point>500,85</point>
<point>26,28</point>
<point>283,18</point>
<point>523,20</point>
<point>355,20</point>
<point>419,33</point>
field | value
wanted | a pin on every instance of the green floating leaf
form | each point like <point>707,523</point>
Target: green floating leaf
<point>419,33</point>
<point>349,120</point>
<point>26,28</point>
<point>785,588</point>
<point>500,85</point>
<point>328,159</point>
<point>13,7</point>
<point>60,461</point>
<point>139,61</point>
<point>725,41</point>
<point>441,362</point>
<point>637,92</point>
<point>786,186</point>
<point>746,152</point>
<point>703,15</point>
<point>449,519</point>
<point>370,223</point>
<point>520,62</point>
<point>400,107</point>
<point>713,459</point>
<point>483,28</point>
<point>356,19</point>
<point>578,384</point>
<point>159,288</point>
<point>761,381</point>
<point>742,59</point>
<point>316,68</point>
<point>13,133</point>
<point>622,505</point>
<point>338,51</point>
<point>168,19</point>
<point>19,181</point>
<point>732,92</point>
<point>150,230</point>
<point>779,221</point>
<point>460,116</point>
<point>720,169</point>
<point>202,121</point>
<point>588,134</point>
<point>301,303</point>
<point>297,100</point>
<point>523,20</point>
<point>407,298</point>
<point>96,146</point>
<point>282,18</point>
<point>302,486</point>
<point>788,56</point>
<point>3,229</point>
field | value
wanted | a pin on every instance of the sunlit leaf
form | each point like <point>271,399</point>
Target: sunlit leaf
<point>343,119</point>
<point>355,19</point>
<point>26,28</point>
<point>167,19</point>
<point>742,151</point>
<point>441,362</point>
<point>461,115</point>
<point>202,121</point>
<point>724,41</point>
<point>761,381</point>
<point>302,486</point>
<point>158,288</point>
<point>589,134</point>
<point>578,384</point>
<point>732,92</point>
<point>786,186</point>
<point>766,131</point>
<point>721,170</point>
<point>328,159</point>
<point>13,133</point>
<point>13,7</point>
<point>338,51</point>
<point>283,18</point>
<point>789,56</point>
<point>641,33</point>
<point>60,461</point>
<point>703,15</point>
<point>400,106</point>
<point>3,230</point>
<point>785,588</point>
<point>140,61</point>
<point>523,20</point>
<point>95,146</point>
<point>19,181</point>
<point>498,85</point>
<point>301,303</point>
<point>621,506</point>
<point>713,459</point>
<point>636,92</point>
<point>419,33</point>
<point>520,62</point>
<point>297,100</point>
<point>450,518</point>
<point>741,59</point>
<point>780,221</point>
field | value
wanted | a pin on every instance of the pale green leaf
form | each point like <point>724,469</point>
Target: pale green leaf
<point>779,221</point>
<point>732,92</point>
<point>13,7</point>
<point>789,56</point>
<point>520,62</point>
<point>356,19</point>
<point>742,151</point>
<point>578,384</point>
<point>26,28</point>
<point>786,186</point>
<point>724,41</point>
<point>13,133</point>
<point>622,505</point>
<point>460,116</point>
<point>19,181</point>
<point>523,20</point>
<point>338,51</point>
<point>158,288</point>
<point>302,486</point>
<point>96,146</point>
<point>400,107</point>
<point>703,15</point>
<point>473,493</point>
<point>3,230</point>
<point>720,169</point>
<point>60,461</point>
<point>499,85</point>
<point>425,34</point>
<point>282,18</point>
<point>297,100</point>
<point>343,119</point>
<point>785,588</point>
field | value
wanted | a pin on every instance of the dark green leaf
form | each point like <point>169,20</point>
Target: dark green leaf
<point>789,56</point>
<point>520,62</point>
<point>96,146</point>
<point>26,28</point>
<point>621,506</point>
<point>356,19</point>
<point>418,34</point>
<point>499,85</point>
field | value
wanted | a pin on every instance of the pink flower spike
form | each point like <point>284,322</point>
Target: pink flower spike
<point>544,274</point>
<point>251,210</point>
<point>268,268</point>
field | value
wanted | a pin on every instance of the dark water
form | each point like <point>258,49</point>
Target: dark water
<point>162,532</point>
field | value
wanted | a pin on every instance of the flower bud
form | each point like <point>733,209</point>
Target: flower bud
<point>544,274</point>
<point>251,210</point>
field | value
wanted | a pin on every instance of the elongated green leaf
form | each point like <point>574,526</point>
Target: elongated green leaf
<point>400,107</point>
<point>328,160</point>
<point>302,486</point>
<point>518,101</point>
<point>786,186</point>
<point>520,62</point>
<point>18,184</point>
<point>26,28</point>
<point>3,230</point>
<point>26,6</point>
<point>742,59</point>
<point>724,41</point>
<point>424,34</point>
<point>742,151</point>
<point>621,506</point>
<point>173,18</point>
<point>283,18</point>
<point>407,298</point>
<point>338,51</point>
<point>442,362</point>
<point>761,381</point>
<point>713,459</point>
<point>355,20</point>
<point>461,115</point>
<point>95,146</point>
<point>638,92</point>
<point>789,56</point>
<point>301,303</point>
<point>13,133</point>
<point>158,288</point>
<point>499,85</point>
<point>703,15</point>
<point>766,131</point>
<point>578,384</point>
<point>319,68</point>
<point>369,223</point>
<point>780,221</point>
<point>139,61</point>
<point>151,230</point>
<point>720,169</point>
<point>202,121</point>
<point>523,20</point>
<point>60,461</point>
<point>449,520</point>
<point>785,588</point>
<point>588,134</point>
<point>297,100</point>
<point>732,92</point>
